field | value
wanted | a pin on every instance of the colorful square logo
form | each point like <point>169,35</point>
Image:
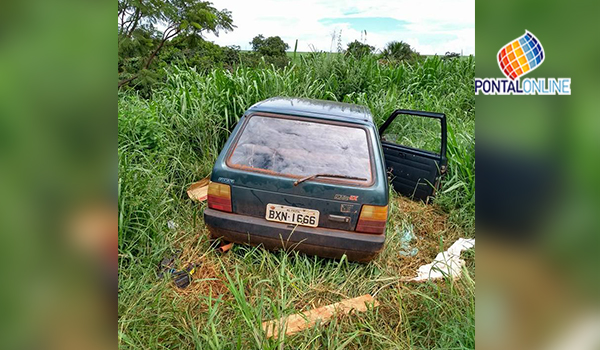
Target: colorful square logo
<point>520,56</point>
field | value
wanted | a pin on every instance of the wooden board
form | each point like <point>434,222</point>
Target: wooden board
<point>298,322</point>
<point>199,190</point>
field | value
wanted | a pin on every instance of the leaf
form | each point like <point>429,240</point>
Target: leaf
<point>453,187</point>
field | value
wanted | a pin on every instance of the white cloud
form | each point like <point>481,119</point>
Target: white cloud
<point>435,26</point>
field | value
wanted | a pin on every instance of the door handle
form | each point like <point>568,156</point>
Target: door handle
<point>339,218</point>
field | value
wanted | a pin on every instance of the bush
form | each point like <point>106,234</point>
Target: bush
<point>400,51</point>
<point>358,49</point>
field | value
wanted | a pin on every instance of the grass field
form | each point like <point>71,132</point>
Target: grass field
<point>295,57</point>
<point>172,140</point>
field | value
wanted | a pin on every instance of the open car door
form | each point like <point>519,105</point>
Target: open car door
<point>414,172</point>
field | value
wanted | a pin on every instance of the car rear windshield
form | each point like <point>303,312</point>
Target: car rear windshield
<point>303,148</point>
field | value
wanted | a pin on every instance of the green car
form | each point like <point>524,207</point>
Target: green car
<point>312,176</point>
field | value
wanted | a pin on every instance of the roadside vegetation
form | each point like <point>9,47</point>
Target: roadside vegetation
<point>171,129</point>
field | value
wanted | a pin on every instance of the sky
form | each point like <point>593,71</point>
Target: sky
<point>429,26</point>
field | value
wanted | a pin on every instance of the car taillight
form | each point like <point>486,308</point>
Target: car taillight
<point>219,196</point>
<point>372,219</point>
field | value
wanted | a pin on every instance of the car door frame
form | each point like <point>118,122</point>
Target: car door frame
<point>439,159</point>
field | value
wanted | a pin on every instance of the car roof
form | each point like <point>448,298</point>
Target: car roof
<point>321,109</point>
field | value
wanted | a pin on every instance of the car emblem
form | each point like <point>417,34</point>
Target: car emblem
<point>343,197</point>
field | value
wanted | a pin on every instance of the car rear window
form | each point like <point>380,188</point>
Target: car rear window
<point>303,148</point>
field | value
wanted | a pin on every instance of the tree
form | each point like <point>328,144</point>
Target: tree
<point>231,54</point>
<point>133,13</point>
<point>450,55</point>
<point>185,17</point>
<point>193,51</point>
<point>272,46</point>
<point>358,49</point>
<point>399,51</point>
<point>257,42</point>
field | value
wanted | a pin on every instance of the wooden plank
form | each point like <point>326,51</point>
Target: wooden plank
<point>199,190</point>
<point>298,322</point>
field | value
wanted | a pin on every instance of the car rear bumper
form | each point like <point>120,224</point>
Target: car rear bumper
<point>323,242</point>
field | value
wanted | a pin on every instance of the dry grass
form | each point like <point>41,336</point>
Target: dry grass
<point>431,227</point>
<point>207,279</point>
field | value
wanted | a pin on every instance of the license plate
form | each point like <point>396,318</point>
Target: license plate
<point>292,215</point>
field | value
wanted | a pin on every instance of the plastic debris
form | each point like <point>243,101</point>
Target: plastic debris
<point>405,248</point>
<point>172,225</point>
<point>446,263</point>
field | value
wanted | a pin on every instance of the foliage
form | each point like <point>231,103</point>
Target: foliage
<point>272,46</point>
<point>231,55</point>
<point>138,19</point>
<point>196,52</point>
<point>399,51</point>
<point>451,55</point>
<point>267,51</point>
<point>358,49</point>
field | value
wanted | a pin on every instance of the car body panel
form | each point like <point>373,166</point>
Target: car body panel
<point>320,109</point>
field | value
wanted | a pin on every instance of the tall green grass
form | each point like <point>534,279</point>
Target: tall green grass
<point>172,140</point>
<point>189,118</point>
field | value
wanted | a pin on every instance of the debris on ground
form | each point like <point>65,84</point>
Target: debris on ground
<point>406,237</point>
<point>172,225</point>
<point>206,279</point>
<point>167,265</point>
<point>295,323</point>
<point>224,248</point>
<point>199,190</point>
<point>430,226</point>
<point>446,263</point>
<point>183,278</point>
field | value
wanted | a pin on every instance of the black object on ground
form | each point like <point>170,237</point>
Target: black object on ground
<point>183,278</point>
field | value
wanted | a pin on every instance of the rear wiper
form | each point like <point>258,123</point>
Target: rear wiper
<point>327,175</point>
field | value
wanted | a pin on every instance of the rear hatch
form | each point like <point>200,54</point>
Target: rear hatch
<point>271,157</point>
